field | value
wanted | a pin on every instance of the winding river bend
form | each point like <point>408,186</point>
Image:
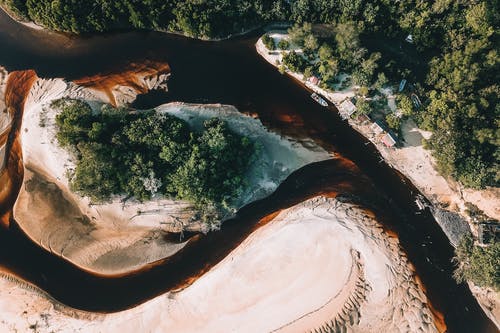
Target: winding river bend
<point>229,72</point>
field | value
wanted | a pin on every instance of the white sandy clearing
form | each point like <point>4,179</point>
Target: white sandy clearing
<point>318,263</point>
<point>120,236</point>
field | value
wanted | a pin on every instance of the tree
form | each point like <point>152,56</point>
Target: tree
<point>310,43</point>
<point>283,44</point>
<point>405,105</point>
<point>294,62</point>
<point>364,74</point>
<point>348,44</point>
<point>268,42</point>
<point>298,33</point>
<point>212,173</point>
<point>477,264</point>
<point>393,121</point>
<point>325,52</point>
<point>363,91</point>
<point>477,18</point>
<point>328,65</point>
<point>363,106</point>
<point>141,154</point>
<point>381,81</point>
<point>308,72</point>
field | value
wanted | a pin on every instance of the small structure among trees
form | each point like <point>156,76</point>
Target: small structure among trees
<point>377,128</point>
<point>347,108</point>
<point>388,140</point>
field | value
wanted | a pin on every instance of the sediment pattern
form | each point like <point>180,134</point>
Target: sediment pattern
<point>320,266</point>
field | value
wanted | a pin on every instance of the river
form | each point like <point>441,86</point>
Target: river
<point>230,72</point>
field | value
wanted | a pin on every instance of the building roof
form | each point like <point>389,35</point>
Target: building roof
<point>347,108</point>
<point>388,140</point>
<point>377,128</point>
<point>363,118</point>
<point>314,80</point>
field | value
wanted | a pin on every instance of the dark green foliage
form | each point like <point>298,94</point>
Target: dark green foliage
<point>393,121</point>
<point>295,62</point>
<point>283,44</point>
<point>212,171</point>
<point>405,104</point>
<point>16,7</point>
<point>75,123</point>
<point>299,32</point>
<point>464,112</point>
<point>268,42</point>
<point>477,264</point>
<point>140,154</point>
<point>363,106</point>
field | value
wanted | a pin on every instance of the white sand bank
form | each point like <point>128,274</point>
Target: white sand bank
<point>319,263</point>
<point>120,236</point>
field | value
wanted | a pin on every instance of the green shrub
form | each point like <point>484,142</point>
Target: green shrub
<point>480,265</point>
<point>283,44</point>
<point>268,42</point>
<point>294,62</point>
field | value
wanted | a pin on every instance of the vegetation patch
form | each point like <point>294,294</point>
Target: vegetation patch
<point>480,265</point>
<point>142,154</point>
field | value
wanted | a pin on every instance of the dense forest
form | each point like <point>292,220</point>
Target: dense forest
<point>147,153</point>
<point>454,64</point>
<point>193,17</point>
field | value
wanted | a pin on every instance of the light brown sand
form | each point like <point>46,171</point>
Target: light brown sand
<point>321,263</point>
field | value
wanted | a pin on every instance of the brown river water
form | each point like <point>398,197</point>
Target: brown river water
<point>228,72</point>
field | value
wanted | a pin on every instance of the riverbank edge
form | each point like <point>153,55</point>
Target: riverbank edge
<point>14,17</point>
<point>264,26</point>
<point>482,295</point>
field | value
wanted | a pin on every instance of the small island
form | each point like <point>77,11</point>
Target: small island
<point>112,188</point>
<point>148,153</point>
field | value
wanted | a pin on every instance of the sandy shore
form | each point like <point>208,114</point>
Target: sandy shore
<point>5,117</point>
<point>29,24</point>
<point>411,159</point>
<point>365,284</point>
<point>417,164</point>
<point>120,236</point>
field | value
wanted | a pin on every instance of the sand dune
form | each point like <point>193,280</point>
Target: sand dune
<point>321,266</point>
